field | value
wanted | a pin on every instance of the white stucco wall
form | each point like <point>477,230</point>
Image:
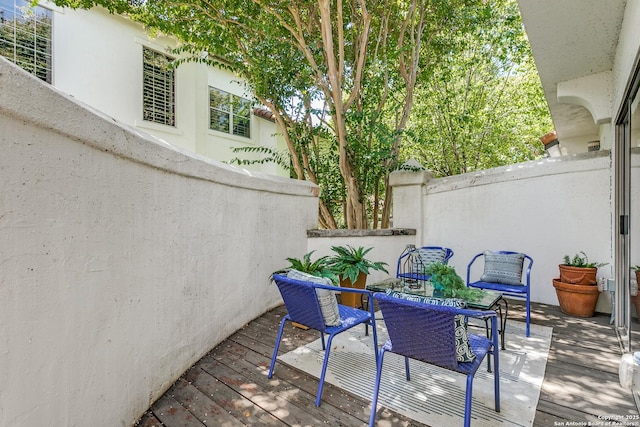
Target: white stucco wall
<point>547,209</point>
<point>123,259</point>
<point>97,58</point>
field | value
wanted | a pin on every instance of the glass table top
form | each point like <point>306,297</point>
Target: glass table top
<point>487,300</point>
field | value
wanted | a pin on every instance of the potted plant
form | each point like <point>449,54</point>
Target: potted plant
<point>578,270</point>
<point>448,284</point>
<point>319,267</point>
<point>352,268</point>
<point>576,287</point>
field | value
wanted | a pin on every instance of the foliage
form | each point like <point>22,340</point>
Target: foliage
<point>349,262</point>
<point>319,267</point>
<point>482,103</point>
<point>581,261</point>
<point>341,79</point>
<point>454,286</point>
<point>268,155</point>
<point>635,268</point>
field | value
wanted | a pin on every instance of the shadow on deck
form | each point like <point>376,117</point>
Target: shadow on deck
<point>229,386</point>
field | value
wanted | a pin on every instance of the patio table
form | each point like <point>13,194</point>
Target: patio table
<point>491,300</point>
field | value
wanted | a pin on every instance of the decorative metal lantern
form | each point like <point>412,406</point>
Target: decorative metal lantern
<point>412,268</point>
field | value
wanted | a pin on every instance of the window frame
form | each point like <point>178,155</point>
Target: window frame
<point>34,53</point>
<point>159,96</point>
<point>226,113</point>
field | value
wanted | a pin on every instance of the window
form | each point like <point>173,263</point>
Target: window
<point>158,88</point>
<point>25,37</point>
<point>229,113</point>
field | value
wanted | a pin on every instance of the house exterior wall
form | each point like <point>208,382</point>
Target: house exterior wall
<point>97,59</point>
<point>124,258</point>
<point>546,209</point>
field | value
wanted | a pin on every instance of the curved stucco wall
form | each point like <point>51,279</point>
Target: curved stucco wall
<point>123,259</point>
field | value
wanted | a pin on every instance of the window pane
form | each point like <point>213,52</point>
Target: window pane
<point>241,106</point>
<point>219,120</point>
<point>241,117</point>
<point>158,94</point>
<point>219,99</point>
<point>241,126</point>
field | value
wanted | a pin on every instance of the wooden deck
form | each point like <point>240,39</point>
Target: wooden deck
<point>229,386</point>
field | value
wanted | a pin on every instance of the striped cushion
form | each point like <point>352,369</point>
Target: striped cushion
<point>326,298</point>
<point>502,268</point>
<point>425,257</point>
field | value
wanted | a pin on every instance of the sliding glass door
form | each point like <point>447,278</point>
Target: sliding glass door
<point>627,205</point>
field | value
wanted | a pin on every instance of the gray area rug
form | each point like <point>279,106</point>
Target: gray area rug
<point>435,396</point>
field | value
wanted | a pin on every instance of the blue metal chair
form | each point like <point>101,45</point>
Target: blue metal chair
<point>521,291</point>
<point>413,270</point>
<point>302,305</point>
<point>426,333</point>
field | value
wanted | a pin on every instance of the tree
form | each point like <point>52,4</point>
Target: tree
<point>340,78</point>
<point>482,105</point>
<point>359,59</point>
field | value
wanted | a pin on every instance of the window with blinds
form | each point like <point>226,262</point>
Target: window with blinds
<point>25,37</point>
<point>229,113</point>
<point>158,88</point>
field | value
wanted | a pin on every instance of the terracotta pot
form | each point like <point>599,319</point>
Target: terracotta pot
<point>351,299</point>
<point>578,275</point>
<point>549,137</point>
<point>576,300</point>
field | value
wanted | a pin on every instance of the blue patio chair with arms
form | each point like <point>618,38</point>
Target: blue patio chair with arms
<point>428,333</point>
<point>314,305</point>
<point>413,261</point>
<point>507,272</point>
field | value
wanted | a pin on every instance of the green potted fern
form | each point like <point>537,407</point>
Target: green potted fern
<point>351,266</point>
<point>319,267</point>
<point>448,284</point>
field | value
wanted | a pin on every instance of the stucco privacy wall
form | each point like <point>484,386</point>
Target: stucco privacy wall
<point>123,259</point>
<point>547,209</point>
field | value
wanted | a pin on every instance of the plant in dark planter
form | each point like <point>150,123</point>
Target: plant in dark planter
<point>352,268</point>
<point>576,287</point>
<point>448,284</point>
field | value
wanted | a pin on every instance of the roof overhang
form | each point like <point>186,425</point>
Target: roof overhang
<point>574,44</point>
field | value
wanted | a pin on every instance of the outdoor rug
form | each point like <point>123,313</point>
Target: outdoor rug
<point>435,396</point>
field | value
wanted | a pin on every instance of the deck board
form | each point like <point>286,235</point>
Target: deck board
<point>229,386</point>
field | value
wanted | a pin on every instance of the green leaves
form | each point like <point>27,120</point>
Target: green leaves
<point>454,287</point>
<point>449,83</point>
<point>319,267</point>
<point>481,104</point>
<point>349,262</point>
<point>581,261</point>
